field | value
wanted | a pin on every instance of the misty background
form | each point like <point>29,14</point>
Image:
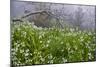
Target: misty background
<point>81,16</point>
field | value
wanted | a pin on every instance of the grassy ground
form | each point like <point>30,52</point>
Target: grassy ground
<point>36,45</point>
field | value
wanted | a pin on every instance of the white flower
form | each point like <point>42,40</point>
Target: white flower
<point>88,42</point>
<point>13,53</point>
<point>21,51</point>
<point>47,45</point>
<point>12,49</point>
<point>18,45</point>
<point>71,30</point>
<point>93,44</point>
<point>80,31</point>
<point>68,34</point>
<point>75,47</point>
<point>62,42</point>
<point>35,27</point>
<point>74,34</point>
<point>19,29</point>
<point>27,50</point>
<point>89,33</point>
<point>40,41</point>
<point>24,33</point>
<point>81,37</point>
<point>40,37</point>
<point>15,43</point>
<point>64,60</point>
<point>50,56</point>
<point>89,54</point>
<point>62,50</point>
<point>48,41</point>
<point>31,54</point>
<point>62,30</point>
<point>26,54</point>
<point>42,59</point>
<point>68,49</point>
<point>51,61</point>
<point>74,41</point>
<point>23,45</point>
<point>40,28</point>
<point>71,51</point>
<point>81,40</point>
<point>16,49</point>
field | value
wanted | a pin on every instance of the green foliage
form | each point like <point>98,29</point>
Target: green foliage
<point>36,45</point>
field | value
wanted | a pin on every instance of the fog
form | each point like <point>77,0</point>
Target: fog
<point>82,16</point>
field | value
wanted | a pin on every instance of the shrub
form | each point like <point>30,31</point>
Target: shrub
<point>35,45</point>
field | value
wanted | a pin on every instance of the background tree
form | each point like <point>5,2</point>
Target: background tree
<point>78,18</point>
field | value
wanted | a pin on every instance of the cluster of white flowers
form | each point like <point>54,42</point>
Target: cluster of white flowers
<point>64,60</point>
<point>75,47</point>
<point>40,37</point>
<point>50,56</point>
<point>22,44</point>
<point>72,30</point>
<point>27,50</point>
<point>51,61</point>
<point>26,54</point>
<point>48,41</point>
<point>62,50</point>
<point>62,42</point>
<point>89,33</point>
<point>47,45</point>
<point>90,56</point>
<point>41,41</point>
<point>41,34</point>
<point>81,39</point>
<point>74,34</point>
<point>69,34</point>
<point>42,59</point>
<point>21,51</point>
